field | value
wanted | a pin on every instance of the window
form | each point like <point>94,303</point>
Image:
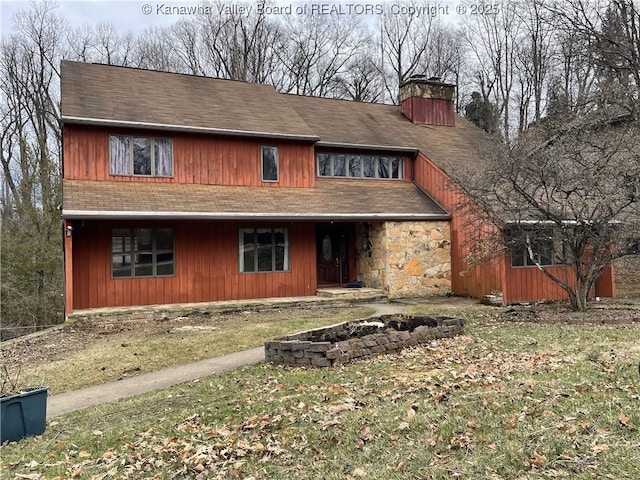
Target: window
<point>141,252</point>
<point>546,248</point>
<point>269,164</point>
<point>140,156</point>
<point>263,250</point>
<point>359,166</point>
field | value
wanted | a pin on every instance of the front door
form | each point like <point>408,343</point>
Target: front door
<point>331,248</point>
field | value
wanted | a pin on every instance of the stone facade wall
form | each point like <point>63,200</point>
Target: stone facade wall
<point>407,259</point>
<point>304,348</point>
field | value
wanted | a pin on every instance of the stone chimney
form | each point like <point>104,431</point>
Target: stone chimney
<point>428,101</point>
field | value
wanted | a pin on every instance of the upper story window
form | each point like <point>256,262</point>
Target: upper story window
<point>360,166</point>
<point>269,164</point>
<point>140,156</point>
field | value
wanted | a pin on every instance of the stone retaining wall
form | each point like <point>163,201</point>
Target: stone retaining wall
<point>349,341</point>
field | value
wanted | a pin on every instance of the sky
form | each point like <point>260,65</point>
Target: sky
<point>124,14</point>
<point>136,15</point>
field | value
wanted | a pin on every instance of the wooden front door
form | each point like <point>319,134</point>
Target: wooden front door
<point>331,248</point>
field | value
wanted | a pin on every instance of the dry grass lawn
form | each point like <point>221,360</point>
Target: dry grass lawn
<point>506,400</point>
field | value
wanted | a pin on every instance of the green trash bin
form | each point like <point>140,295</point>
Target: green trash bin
<point>23,414</point>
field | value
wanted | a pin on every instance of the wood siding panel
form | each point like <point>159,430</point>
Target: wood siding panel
<point>475,282</point>
<point>517,284</point>
<point>429,111</point>
<point>202,159</point>
<point>206,267</point>
<point>528,284</point>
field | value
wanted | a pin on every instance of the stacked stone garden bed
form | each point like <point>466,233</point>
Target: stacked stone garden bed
<point>349,341</point>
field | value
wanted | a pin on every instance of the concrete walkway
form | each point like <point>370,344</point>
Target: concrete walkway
<point>67,402</point>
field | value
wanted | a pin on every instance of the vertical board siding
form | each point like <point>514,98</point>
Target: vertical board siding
<point>197,159</point>
<point>429,111</point>
<point>528,284</point>
<point>477,281</point>
<point>517,284</point>
<point>206,267</point>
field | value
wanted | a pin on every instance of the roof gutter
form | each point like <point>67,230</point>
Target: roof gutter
<point>185,128</point>
<point>138,215</point>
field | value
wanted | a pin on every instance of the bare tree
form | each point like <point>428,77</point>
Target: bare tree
<point>534,58</point>
<point>360,81</point>
<point>234,45</point>
<point>314,49</point>
<point>567,194</point>
<point>186,42</point>
<point>608,41</point>
<point>155,50</point>
<point>494,41</point>
<point>415,44</point>
<point>31,170</point>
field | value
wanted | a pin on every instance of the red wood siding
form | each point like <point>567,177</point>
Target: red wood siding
<point>475,282</point>
<point>206,266</point>
<point>517,284</point>
<point>606,285</point>
<point>204,159</point>
<point>528,284</point>
<point>429,111</point>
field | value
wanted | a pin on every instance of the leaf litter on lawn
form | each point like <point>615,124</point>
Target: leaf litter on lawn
<point>464,407</point>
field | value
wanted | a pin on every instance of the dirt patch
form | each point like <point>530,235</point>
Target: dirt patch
<point>63,342</point>
<point>612,312</point>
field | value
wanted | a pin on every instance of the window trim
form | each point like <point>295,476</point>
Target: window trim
<point>277,160</point>
<point>332,156</point>
<point>287,250</point>
<point>154,252</point>
<point>558,258</point>
<point>131,164</point>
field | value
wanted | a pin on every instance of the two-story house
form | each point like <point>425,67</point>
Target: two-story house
<point>180,188</point>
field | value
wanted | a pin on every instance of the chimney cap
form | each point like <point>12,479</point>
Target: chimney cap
<point>423,79</point>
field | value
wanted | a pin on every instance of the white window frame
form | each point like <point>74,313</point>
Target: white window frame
<point>242,268</point>
<point>131,160</point>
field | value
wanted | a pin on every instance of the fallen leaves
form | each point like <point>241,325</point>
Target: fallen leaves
<point>537,461</point>
<point>450,406</point>
<point>624,421</point>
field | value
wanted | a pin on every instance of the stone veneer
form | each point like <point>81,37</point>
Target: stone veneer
<point>348,341</point>
<point>407,259</point>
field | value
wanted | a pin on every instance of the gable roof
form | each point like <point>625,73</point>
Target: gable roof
<point>120,96</point>
<point>331,199</point>
<point>110,96</point>
<point>129,97</point>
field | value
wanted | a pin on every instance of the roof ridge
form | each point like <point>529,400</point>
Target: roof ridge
<point>165,72</point>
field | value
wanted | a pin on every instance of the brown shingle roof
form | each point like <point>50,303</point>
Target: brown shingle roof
<point>347,122</point>
<point>332,199</point>
<point>117,94</point>
<point>108,94</point>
